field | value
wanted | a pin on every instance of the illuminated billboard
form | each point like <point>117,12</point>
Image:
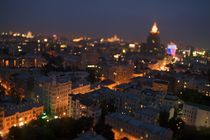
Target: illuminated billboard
<point>171,49</point>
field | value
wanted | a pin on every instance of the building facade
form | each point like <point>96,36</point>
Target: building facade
<point>80,106</point>
<point>53,93</point>
<point>125,126</point>
<point>19,115</point>
<point>196,115</point>
<point>120,73</point>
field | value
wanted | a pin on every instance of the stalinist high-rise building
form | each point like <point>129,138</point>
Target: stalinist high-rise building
<point>153,40</point>
<point>153,45</point>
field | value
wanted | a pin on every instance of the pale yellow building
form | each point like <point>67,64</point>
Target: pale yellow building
<point>196,115</point>
<point>81,88</point>
<point>19,115</point>
<point>81,106</point>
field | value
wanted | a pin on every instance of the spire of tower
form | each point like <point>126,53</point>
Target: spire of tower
<point>154,29</point>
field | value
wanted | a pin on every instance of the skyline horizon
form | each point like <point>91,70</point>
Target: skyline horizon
<point>69,36</point>
<point>184,21</point>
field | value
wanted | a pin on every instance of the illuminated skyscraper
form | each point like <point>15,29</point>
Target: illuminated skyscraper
<point>153,41</point>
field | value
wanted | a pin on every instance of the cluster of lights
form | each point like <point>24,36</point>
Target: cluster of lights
<point>29,35</point>
<point>76,40</point>
<point>92,66</point>
<point>115,38</point>
<point>186,53</point>
<point>63,46</point>
<point>132,46</point>
<point>117,56</point>
<point>199,53</point>
<point>4,33</point>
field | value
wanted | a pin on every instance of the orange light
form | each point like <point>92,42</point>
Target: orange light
<point>154,29</point>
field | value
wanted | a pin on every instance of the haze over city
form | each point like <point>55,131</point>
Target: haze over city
<point>186,22</point>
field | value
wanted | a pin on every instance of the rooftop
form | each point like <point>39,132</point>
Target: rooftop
<point>148,112</point>
<point>82,98</point>
<point>160,81</point>
<point>157,130</point>
<point>12,108</point>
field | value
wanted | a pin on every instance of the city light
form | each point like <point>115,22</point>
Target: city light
<point>132,46</point>
<point>115,38</point>
<point>45,40</point>
<point>100,71</point>
<point>154,29</point>
<point>29,35</point>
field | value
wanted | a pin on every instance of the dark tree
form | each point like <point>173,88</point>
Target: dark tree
<point>176,125</point>
<point>193,96</point>
<point>64,128</point>
<point>193,133</point>
<point>104,130</point>
<point>15,133</point>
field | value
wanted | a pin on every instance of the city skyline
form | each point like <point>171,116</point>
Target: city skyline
<point>104,70</point>
<point>185,22</point>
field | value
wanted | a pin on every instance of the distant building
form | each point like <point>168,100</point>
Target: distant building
<point>196,115</point>
<point>119,73</point>
<point>71,61</point>
<point>32,61</point>
<point>115,38</point>
<point>80,106</point>
<point>18,115</point>
<point>153,45</point>
<point>26,61</point>
<point>89,59</point>
<point>125,126</point>
<point>153,40</point>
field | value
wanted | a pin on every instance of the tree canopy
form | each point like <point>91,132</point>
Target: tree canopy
<point>64,128</point>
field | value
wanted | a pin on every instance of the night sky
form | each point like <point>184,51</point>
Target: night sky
<point>185,21</point>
